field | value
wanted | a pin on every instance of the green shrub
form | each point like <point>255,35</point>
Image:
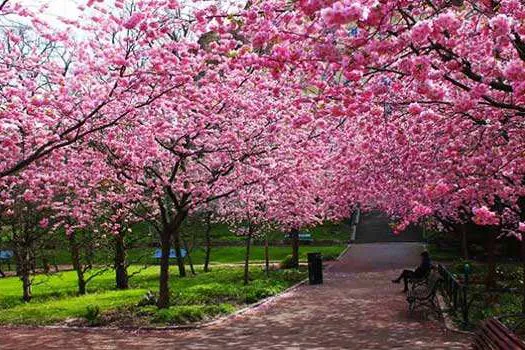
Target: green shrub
<point>92,315</point>
<point>511,274</point>
<point>261,289</point>
<point>289,275</point>
<point>210,293</point>
<point>148,299</point>
<point>254,295</point>
<point>288,262</point>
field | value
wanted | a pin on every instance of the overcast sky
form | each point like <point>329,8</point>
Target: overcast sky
<point>69,8</point>
<point>57,8</point>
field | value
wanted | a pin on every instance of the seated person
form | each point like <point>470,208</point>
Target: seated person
<point>421,271</point>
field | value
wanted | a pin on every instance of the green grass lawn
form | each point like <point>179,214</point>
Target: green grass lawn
<point>219,255</point>
<point>335,234</point>
<point>193,298</point>
<point>235,254</point>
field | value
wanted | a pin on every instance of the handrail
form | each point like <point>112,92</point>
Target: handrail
<point>456,292</point>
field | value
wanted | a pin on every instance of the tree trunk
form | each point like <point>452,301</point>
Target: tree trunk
<point>26,286</point>
<point>81,282</point>
<point>266,256</point>
<point>180,259</point>
<point>208,246</point>
<point>295,248</point>
<point>169,228</point>
<point>164,291</point>
<point>25,274</point>
<point>23,247</point>
<point>247,257</point>
<point>464,241</point>
<point>521,203</point>
<point>523,268</point>
<point>192,268</point>
<point>23,271</point>
<point>121,264</point>
<point>490,279</point>
<point>77,264</point>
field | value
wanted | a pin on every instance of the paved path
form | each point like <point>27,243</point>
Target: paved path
<point>356,308</point>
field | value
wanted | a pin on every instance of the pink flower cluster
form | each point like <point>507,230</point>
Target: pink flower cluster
<point>420,210</point>
<point>342,12</point>
<point>501,25</point>
<point>91,2</point>
<point>420,32</point>
<point>133,21</point>
<point>484,217</point>
<point>515,70</point>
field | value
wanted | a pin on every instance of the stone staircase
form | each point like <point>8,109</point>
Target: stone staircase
<point>373,227</point>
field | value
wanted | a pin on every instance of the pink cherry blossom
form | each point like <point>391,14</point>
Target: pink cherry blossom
<point>133,21</point>
<point>483,216</point>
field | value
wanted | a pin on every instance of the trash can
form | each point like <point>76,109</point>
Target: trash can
<point>315,268</point>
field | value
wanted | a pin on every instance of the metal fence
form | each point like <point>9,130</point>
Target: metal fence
<point>456,293</point>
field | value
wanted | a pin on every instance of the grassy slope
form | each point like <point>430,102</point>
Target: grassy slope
<point>231,254</point>
<point>335,232</point>
<point>221,255</point>
<point>193,297</point>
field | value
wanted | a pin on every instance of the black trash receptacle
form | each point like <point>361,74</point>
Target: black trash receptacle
<point>315,268</point>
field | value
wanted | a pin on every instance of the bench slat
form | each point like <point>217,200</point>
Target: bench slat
<point>504,334</point>
<point>483,342</point>
<point>494,335</point>
<point>501,332</point>
<point>497,339</point>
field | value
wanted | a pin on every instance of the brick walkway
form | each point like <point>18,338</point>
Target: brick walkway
<point>356,308</point>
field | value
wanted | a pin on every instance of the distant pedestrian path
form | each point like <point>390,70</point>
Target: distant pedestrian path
<point>356,308</point>
<point>373,228</point>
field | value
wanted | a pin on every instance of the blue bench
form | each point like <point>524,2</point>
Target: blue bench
<point>6,256</point>
<point>303,237</point>
<point>173,255</point>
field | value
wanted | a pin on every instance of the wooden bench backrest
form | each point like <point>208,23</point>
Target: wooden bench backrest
<point>494,335</point>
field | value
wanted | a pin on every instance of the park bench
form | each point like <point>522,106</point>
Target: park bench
<point>173,255</point>
<point>304,237</point>
<point>420,281</point>
<point>492,334</point>
<point>423,292</point>
<point>6,257</point>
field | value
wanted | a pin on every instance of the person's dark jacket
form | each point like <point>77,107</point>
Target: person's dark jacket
<point>424,268</point>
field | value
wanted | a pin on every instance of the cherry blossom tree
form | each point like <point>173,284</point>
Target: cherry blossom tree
<point>433,90</point>
<point>59,89</point>
<point>274,112</point>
